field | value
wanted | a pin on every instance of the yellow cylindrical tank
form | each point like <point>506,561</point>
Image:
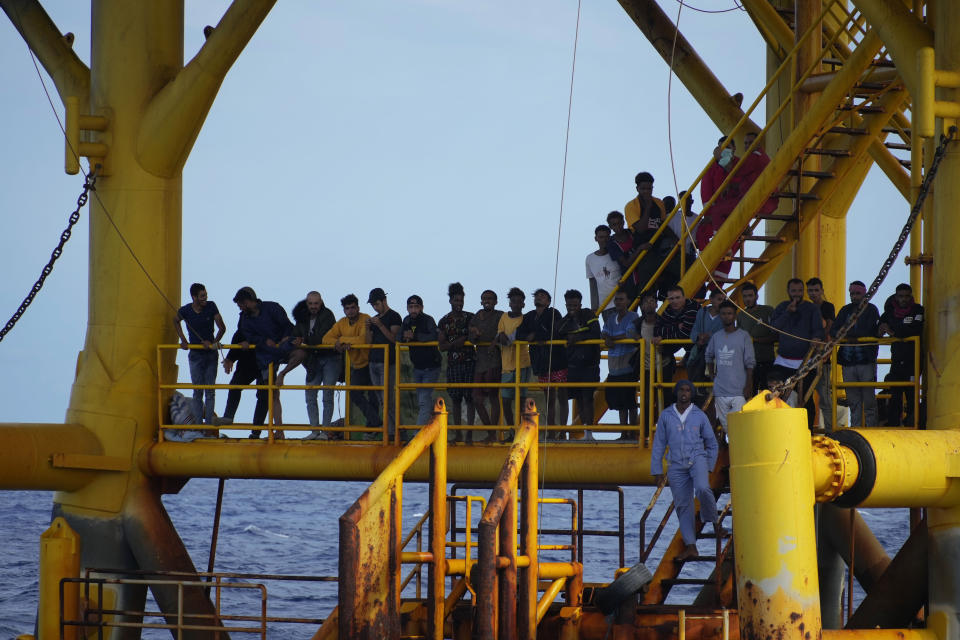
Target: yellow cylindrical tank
<point>771,479</point>
<point>59,558</point>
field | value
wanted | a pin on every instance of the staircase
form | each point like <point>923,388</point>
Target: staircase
<point>856,119</point>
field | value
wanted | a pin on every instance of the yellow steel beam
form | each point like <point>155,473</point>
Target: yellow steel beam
<point>891,167</point>
<point>70,76</point>
<point>695,75</point>
<point>28,458</point>
<point>596,463</point>
<point>175,115</point>
<point>773,28</point>
<point>771,178</point>
<point>902,34</point>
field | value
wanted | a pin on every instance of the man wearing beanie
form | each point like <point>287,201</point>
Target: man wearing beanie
<point>686,430</point>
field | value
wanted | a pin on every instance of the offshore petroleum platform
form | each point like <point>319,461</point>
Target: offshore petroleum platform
<point>849,81</point>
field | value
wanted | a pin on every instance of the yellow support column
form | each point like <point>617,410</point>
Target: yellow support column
<point>59,559</point>
<point>943,309</point>
<point>771,480</point>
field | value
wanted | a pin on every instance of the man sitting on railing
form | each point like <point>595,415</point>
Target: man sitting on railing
<point>685,434</point>
<point>902,318</point>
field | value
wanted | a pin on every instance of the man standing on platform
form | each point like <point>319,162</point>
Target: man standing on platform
<point>902,318</point>
<point>693,449</point>
<point>824,384</point>
<point>384,330</point>
<point>730,362</point>
<point>755,320</point>
<point>603,272</point>
<point>800,326</point>
<point>859,361</point>
<point>200,315</point>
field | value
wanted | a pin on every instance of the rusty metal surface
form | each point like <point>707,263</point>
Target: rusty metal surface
<point>649,623</point>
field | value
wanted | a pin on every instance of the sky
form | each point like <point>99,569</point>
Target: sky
<point>402,145</point>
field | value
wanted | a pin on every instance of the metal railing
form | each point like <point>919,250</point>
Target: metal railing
<point>650,387</point>
<point>98,617</point>
<point>892,386</point>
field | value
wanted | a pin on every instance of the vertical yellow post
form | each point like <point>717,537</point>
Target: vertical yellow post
<point>529,576</point>
<point>774,539</point>
<point>59,558</point>
<point>438,521</point>
<point>943,307</point>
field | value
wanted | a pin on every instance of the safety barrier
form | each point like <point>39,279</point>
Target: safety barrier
<point>99,617</point>
<point>653,393</point>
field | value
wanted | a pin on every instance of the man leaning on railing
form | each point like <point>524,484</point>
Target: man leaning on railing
<point>902,318</point>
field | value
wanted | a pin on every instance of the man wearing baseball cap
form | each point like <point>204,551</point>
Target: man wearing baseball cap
<point>686,430</point>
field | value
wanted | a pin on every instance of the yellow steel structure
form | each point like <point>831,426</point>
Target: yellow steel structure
<point>136,112</point>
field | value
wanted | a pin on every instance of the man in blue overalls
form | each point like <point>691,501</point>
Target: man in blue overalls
<point>693,449</point>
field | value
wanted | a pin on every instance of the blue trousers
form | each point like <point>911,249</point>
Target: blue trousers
<point>327,371</point>
<point>425,396</point>
<point>685,483</point>
<point>203,370</point>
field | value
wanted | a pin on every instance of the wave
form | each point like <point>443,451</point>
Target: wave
<point>264,533</point>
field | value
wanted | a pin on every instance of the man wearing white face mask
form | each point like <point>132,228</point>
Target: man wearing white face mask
<point>725,160</point>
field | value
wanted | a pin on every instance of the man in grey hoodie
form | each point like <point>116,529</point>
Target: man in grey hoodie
<point>686,430</point>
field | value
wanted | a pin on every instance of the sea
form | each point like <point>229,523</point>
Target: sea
<point>281,527</point>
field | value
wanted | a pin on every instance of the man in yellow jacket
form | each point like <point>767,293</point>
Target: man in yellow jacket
<point>351,330</point>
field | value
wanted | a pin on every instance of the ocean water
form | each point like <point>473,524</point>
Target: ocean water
<point>290,528</point>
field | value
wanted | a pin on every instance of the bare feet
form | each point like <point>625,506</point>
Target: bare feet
<point>688,552</point>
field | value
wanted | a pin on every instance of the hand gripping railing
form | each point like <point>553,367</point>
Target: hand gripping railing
<point>370,532</point>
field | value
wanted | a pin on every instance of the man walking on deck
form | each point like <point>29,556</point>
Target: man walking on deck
<point>693,449</point>
<point>200,315</point>
<point>859,361</point>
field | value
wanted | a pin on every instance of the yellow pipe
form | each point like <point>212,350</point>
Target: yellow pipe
<point>835,468</point>
<point>347,461</point>
<point>914,468</point>
<point>28,456</point>
<point>771,483</point>
<point>548,597</point>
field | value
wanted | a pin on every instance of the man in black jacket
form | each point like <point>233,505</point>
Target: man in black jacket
<point>902,318</point>
<point>800,326</point>
<point>313,320</point>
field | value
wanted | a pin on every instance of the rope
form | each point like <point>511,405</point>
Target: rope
<point>106,212</point>
<point>551,395</point>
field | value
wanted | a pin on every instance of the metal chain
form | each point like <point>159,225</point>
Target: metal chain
<point>822,352</point>
<point>88,185</point>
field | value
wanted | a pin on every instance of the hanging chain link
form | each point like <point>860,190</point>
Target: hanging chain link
<point>823,351</point>
<point>89,184</point>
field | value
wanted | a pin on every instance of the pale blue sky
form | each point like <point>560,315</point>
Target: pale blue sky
<point>395,144</point>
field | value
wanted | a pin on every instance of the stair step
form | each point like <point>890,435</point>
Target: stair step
<point>696,559</point>
<point>836,153</point>
<point>905,163</point>
<point>703,535</point>
<point>850,131</point>
<point>875,63</point>
<point>897,145</point>
<point>861,108</point>
<point>793,195</point>
<point>750,260</point>
<point>895,130</point>
<point>777,216</point>
<point>810,173</point>
<point>872,86</point>
<point>763,238</point>
<point>676,581</point>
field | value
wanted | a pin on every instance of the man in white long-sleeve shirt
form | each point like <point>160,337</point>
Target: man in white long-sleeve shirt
<point>693,450</point>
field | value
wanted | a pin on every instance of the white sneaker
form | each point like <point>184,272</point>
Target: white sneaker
<point>218,421</point>
<point>316,435</point>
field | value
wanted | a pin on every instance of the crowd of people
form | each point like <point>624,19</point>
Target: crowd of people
<point>736,351</point>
